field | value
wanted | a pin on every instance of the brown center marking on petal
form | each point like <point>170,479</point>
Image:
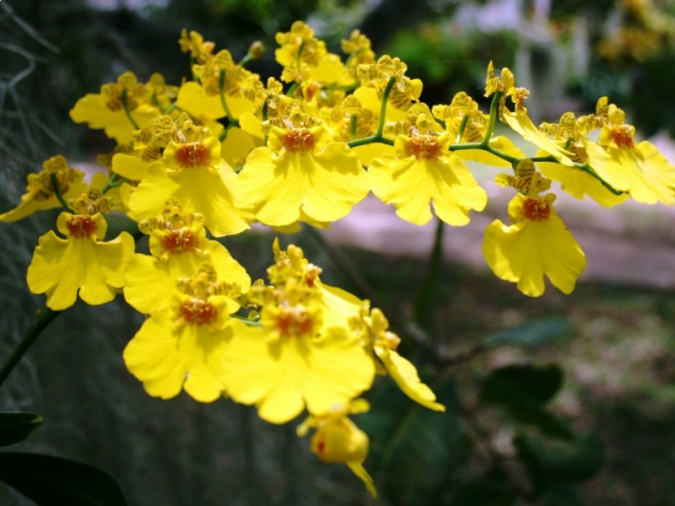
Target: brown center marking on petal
<point>193,154</point>
<point>423,147</point>
<point>298,140</point>
<point>180,241</point>
<point>81,227</point>
<point>622,136</point>
<point>198,312</point>
<point>294,322</point>
<point>536,209</point>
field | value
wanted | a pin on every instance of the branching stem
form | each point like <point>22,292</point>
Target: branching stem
<point>44,318</point>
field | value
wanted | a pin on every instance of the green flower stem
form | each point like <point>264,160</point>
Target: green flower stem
<point>341,87</point>
<point>112,183</point>
<point>125,104</point>
<point>423,308</point>
<point>292,89</point>
<point>265,109</point>
<point>378,136</point>
<point>488,148</point>
<point>223,102</point>
<point>298,60</point>
<point>44,318</point>
<point>494,112</point>
<point>158,104</point>
<point>581,166</point>
<point>171,108</point>
<point>462,127</point>
<point>193,62</point>
<point>226,130</point>
<point>370,140</point>
<point>352,126</point>
<point>57,193</point>
<point>385,101</point>
<point>245,60</point>
<point>587,168</point>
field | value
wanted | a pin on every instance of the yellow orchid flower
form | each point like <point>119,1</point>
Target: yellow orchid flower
<point>193,43</point>
<point>579,183</point>
<point>338,306</point>
<point>371,328</point>
<point>518,120</point>
<point>294,359</point>
<point>636,168</point>
<point>338,440</point>
<point>184,346</point>
<point>146,148</point>
<point>374,79</point>
<point>283,375</point>
<point>300,172</point>
<point>348,121</point>
<point>81,262</point>
<point>40,192</point>
<point>424,171</point>
<point>179,249</point>
<point>218,93</point>
<point>358,47</point>
<point>119,109</point>
<point>537,244</point>
<point>194,173</point>
<point>305,58</point>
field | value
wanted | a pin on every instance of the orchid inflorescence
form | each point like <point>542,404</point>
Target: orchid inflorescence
<point>223,150</point>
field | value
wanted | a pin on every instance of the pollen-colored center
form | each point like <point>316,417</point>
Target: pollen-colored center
<point>622,136</point>
<point>81,227</point>
<point>536,209</point>
<point>423,147</point>
<point>298,140</point>
<point>294,322</point>
<point>198,312</point>
<point>193,154</point>
<point>180,241</point>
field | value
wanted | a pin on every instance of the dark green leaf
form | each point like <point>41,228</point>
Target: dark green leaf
<point>530,334</point>
<point>573,462</point>
<point>15,427</point>
<point>423,453</point>
<point>534,383</point>
<point>52,480</point>
<point>523,390</point>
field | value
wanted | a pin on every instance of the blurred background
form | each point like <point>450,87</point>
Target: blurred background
<point>592,419</point>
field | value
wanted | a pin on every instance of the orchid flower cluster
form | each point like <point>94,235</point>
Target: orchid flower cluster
<point>206,159</point>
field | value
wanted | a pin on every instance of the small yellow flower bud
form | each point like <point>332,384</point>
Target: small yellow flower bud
<point>256,51</point>
<point>340,441</point>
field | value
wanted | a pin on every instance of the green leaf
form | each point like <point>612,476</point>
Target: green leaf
<point>531,333</point>
<point>15,427</point>
<point>424,452</point>
<point>51,480</point>
<point>523,390</point>
<point>514,382</point>
<point>569,463</point>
